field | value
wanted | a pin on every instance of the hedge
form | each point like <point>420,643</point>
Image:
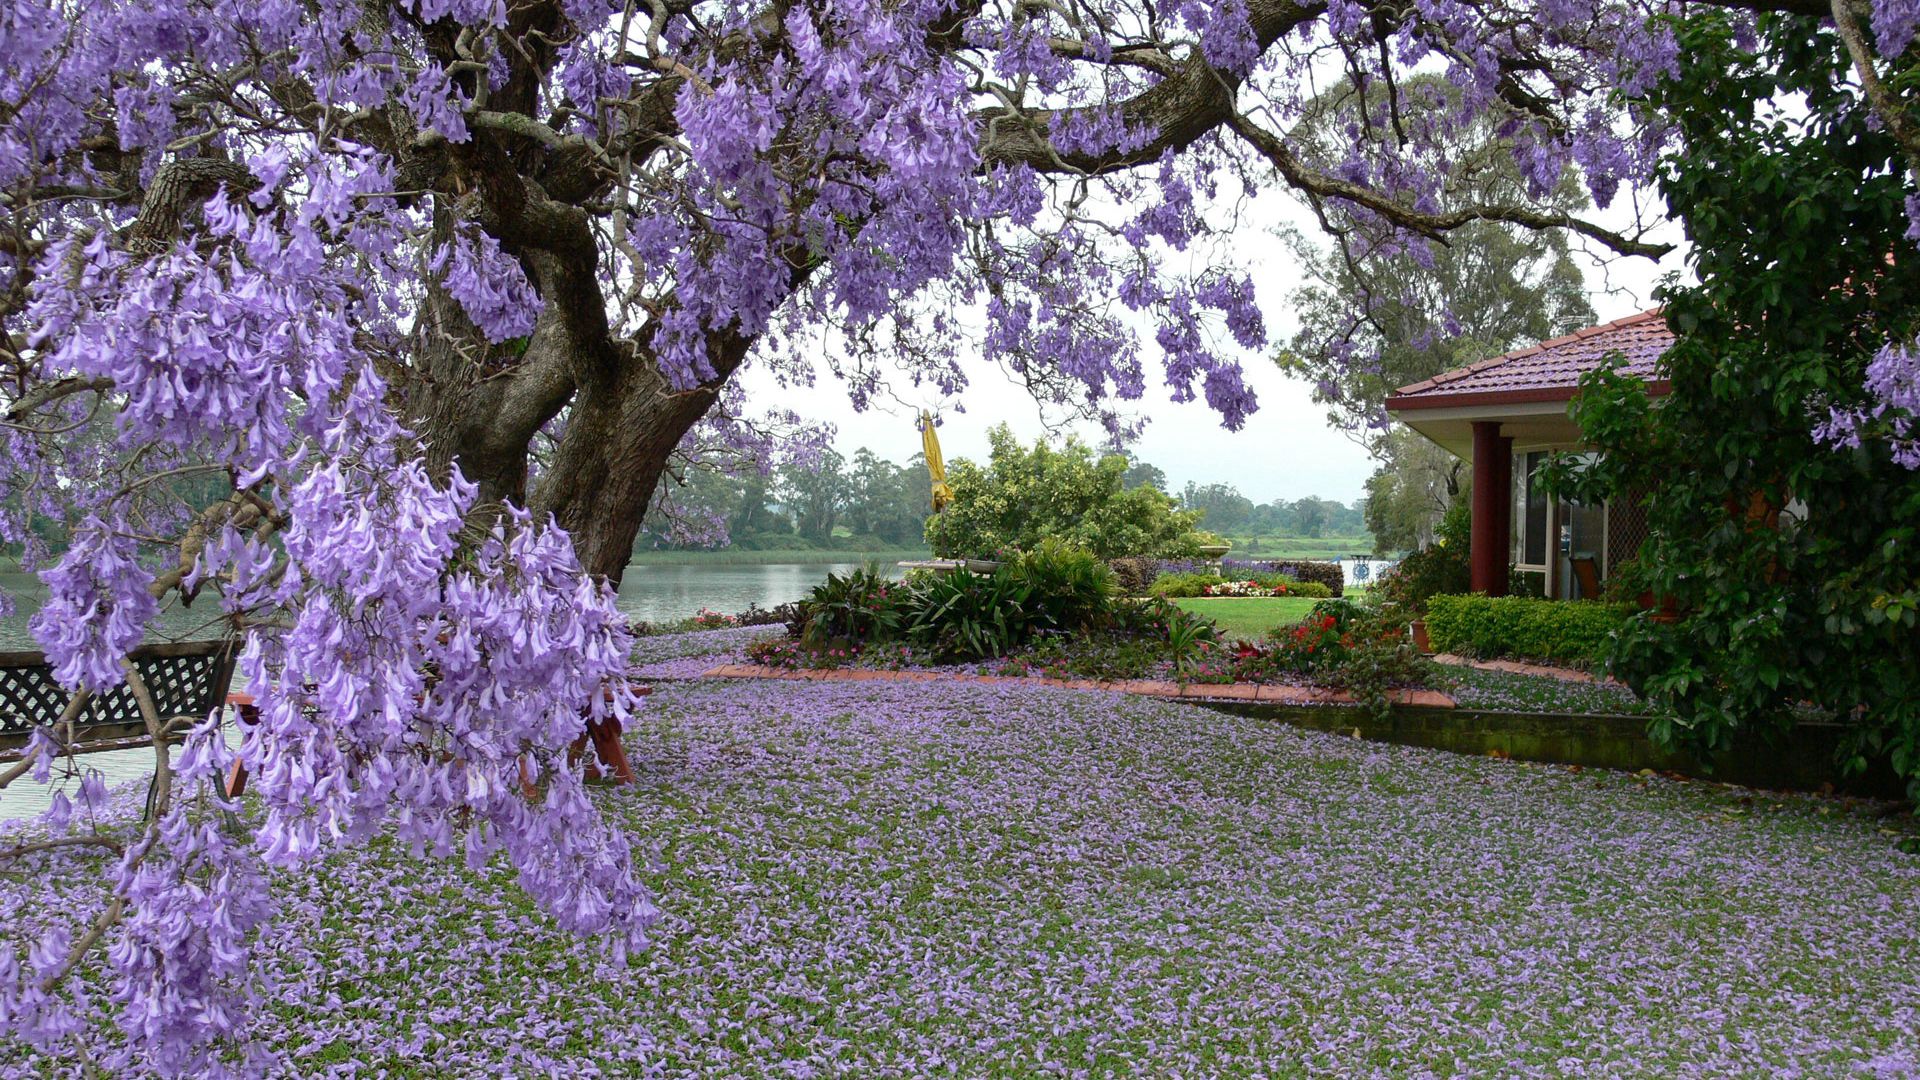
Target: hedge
<point>1307,573</point>
<point>1186,584</point>
<point>1324,573</point>
<point>1522,627</point>
<point>1133,575</point>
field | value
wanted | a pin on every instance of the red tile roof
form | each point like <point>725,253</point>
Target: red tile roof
<point>1549,371</point>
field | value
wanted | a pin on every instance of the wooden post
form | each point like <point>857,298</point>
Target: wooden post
<point>246,714</point>
<point>1492,508</point>
<point>609,753</point>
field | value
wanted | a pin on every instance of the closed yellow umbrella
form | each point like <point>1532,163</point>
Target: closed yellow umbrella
<point>936,467</point>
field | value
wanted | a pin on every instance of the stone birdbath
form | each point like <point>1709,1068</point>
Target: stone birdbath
<point>1213,553</point>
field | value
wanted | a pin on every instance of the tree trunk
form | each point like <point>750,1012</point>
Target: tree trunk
<point>619,437</point>
<point>481,404</point>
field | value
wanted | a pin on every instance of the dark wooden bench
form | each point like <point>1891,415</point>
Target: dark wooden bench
<point>186,678</point>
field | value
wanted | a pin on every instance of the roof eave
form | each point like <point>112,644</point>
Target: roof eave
<point>1498,398</point>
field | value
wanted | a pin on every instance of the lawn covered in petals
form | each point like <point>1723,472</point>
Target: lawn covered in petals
<point>876,879</point>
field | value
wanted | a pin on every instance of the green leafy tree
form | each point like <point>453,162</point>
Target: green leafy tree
<point>1144,474</point>
<point>885,500</point>
<point>1024,495</point>
<point>1376,316</point>
<point>814,493</point>
<point>1791,560</point>
<point>1222,508</point>
<point>1410,491</point>
<point>1312,515</point>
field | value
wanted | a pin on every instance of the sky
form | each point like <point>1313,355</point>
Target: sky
<point>1286,451</point>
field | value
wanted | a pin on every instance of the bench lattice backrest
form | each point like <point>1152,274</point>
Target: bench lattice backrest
<point>187,678</point>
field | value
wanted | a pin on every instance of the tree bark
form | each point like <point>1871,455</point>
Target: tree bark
<point>620,434</point>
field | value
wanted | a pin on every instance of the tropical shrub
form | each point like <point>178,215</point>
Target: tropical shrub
<point>1189,637</point>
<point>1575,631</point>
<point>961,615</point>
<point>1023,496</point>
<point>1069,587</point>
<point>863,606</point>
<point>1143,618</point>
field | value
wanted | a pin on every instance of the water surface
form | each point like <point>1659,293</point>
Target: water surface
<point>655,594</point>
<point>650,593</point>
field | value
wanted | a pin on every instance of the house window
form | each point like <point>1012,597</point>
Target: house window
<point>1533,513</point>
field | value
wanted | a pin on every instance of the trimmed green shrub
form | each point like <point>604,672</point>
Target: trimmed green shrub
<point>1523,627</point>
<point>1184,584</point>
<point>960,615</point>
<point>860,607</point>
<point>1326,575</point>
<point>1135,574</point>
<point>1173,586</point>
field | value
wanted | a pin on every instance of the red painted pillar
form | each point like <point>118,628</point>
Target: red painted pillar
<point>1492,508</point>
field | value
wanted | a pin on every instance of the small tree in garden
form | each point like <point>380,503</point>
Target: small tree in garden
<point>436,290</point>
<point>1024,495</point>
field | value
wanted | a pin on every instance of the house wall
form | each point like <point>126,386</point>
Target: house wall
<point>1539,549</point>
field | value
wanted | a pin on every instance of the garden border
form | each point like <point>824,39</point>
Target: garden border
<point>1803,759</point>
<point>1158,688</point>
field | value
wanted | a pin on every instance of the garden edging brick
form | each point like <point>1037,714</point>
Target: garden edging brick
<point>1265,692</point>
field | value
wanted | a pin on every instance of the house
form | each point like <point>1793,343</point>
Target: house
<point>1505,415</point>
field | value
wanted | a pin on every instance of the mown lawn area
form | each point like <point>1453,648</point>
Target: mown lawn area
<point>941,880</point>
<point>1249,617</point>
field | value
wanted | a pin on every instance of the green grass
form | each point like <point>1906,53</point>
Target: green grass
<point>1249,616</point>
<point>807,557</point>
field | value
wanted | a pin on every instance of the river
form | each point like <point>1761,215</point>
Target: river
<point>655,593</point>
<point>652,593</point>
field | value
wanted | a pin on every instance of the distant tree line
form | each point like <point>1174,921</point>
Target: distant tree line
<point>871,503</point>
<point>867,503</point>
<point>1227,512</point>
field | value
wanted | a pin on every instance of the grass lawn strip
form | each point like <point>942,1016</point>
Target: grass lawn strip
<point>1249,617</point>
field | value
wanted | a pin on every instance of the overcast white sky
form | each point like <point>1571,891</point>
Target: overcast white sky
<point>1286,450</point>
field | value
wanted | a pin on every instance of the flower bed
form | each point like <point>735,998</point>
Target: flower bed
<point>1246,588</point>
<point>1301,570</point>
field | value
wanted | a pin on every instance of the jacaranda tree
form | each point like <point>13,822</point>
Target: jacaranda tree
<point>435,289</point>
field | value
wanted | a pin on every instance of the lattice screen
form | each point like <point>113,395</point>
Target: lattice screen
<point>183,683</point>
<point>1626,529</point>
